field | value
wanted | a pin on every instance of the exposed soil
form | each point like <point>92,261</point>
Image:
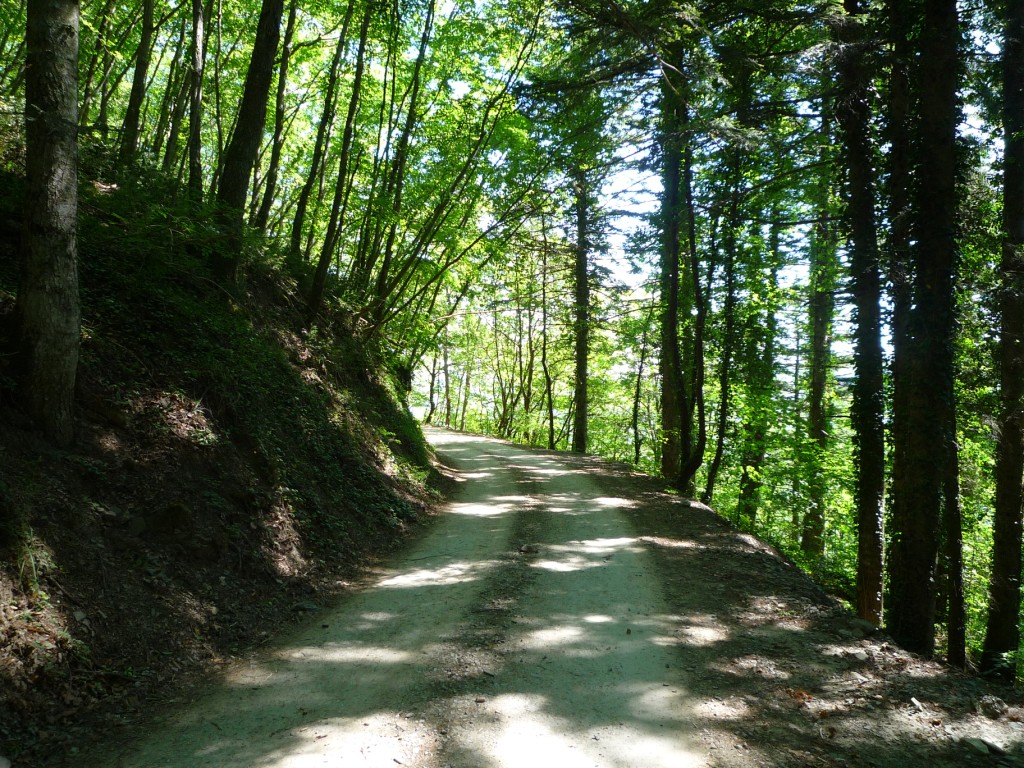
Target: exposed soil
<point>566,611</point>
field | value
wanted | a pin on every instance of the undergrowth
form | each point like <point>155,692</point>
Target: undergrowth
<point>229,465</point>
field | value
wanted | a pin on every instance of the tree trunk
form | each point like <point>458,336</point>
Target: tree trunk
<point>133,113</point>
<point>732,226</point>
<point>953,558</point>
<point>295,250</point>
<point>581,307</point>
<point>240,154</point>
<point>341,189</point>
<point>822,309</point>
<point>195,114</point>
<point>918,479</point>
<point>47,304</point>
<point>673,395</point>
<point>1002,635</point>
<point>277,143</point>
<point>853,112</point>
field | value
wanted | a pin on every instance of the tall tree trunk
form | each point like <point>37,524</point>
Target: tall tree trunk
<point>953,557</point>
<point>295,249</point>
<point>47,305</point>
<point>729,307</point>
<point>277,143</point>
<point>548,384</point>
<point>673,394</point>
<point>89,83</point>
<point>918,478</point>
<point>342,187</point>
<point>695,433</point>
<point>853,112</point>
<point>240,154</point>
<point>133,113</point>
<point>1002,635</point>
<point>822,310</point>
<point>761,334</point>
<point>195,114</point>
<point>637,393</point>
<point>581,308</point>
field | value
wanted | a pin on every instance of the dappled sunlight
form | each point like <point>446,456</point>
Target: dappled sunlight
<point>581,555</point>
<point>702,635</point>
<point>553,638</point>
<point>353,653</point>
<point>723,709</point>
<point>467,476</point>
<point>756,666</point>
<point>453,573</point>
<point>477,509</point>
<point>393,743</point>
<point>521,731</point>
<point>434,664</point>
<point>614,503</point>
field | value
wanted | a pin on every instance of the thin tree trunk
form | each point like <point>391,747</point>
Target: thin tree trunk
<point>729,334</point>
<point>47,303</point>
<point>295,250</point>
<point>953,558</point>
<point>822,310</point>
<point>581,308</point>
<point>195,114</point>
<point>341,191</point>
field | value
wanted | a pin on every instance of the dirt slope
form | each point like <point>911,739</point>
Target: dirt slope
<point>566,612</point>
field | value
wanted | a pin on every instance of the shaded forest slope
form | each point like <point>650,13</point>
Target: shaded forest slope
<point>230,471</point>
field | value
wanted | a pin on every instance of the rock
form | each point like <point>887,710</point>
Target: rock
<point>992,707</point>
<point>862,628</point>
<point>529,549</point>
<point>5,763</point>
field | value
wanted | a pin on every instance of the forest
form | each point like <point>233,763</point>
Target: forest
<point>770,251</point>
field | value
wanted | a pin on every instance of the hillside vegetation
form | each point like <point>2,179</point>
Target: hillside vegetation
<point>230,471</point>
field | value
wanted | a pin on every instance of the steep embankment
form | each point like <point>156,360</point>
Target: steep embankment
<point>229,472</point>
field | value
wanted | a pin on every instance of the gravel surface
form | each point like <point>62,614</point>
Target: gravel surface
<point>566,612</point>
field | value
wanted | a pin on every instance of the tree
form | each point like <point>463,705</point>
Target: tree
<point>581,305</point>
<point>48,304</point>
<point>853,113</point>
<point>927,369</point>
<point>1003,630</point>
<point>240,154</point>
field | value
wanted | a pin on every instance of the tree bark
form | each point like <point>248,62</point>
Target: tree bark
<point>928,373</point>
<point>853,112</point>
<point>277,143</point>
<point>581,308</point>
<point>133,113</point>
<point>822,310</point>
<point>240,154</point>
<point>673,395</point>
<point>295,250</point>
<point>1002,636</point>
<point>195,113</point>
<point>342,187</point>
<point>48,312</point>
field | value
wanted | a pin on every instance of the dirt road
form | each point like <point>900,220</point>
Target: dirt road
<point>526,629</point>
<point>566,612</point>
